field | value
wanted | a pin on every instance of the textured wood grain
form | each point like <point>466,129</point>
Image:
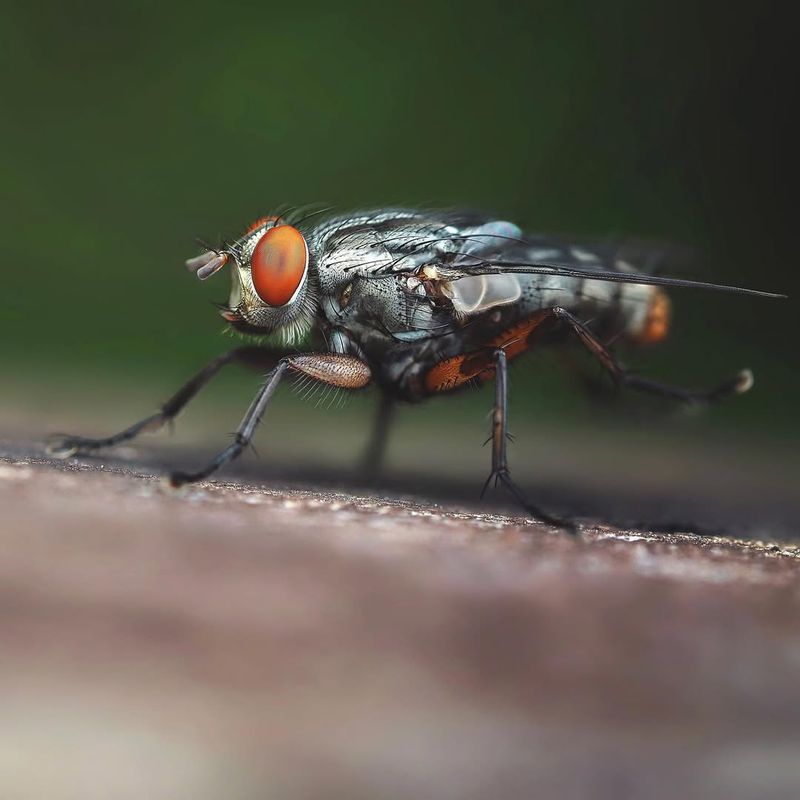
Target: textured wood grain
<point>242,640</point>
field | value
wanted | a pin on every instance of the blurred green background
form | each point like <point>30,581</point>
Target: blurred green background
<point>131,128</point>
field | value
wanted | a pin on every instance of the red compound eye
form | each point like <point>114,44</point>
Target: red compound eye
<point>279,264</point>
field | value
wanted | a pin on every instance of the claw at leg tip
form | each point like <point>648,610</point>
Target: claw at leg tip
<point>570,527</point>
<point>744,381</point>
<point>174,480</point>
<point>59,447</point>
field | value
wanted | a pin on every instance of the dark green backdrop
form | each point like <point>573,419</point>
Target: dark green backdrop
<point>129,129</point>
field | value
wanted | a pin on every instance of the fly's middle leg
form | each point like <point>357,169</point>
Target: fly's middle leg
<point>63,446</point>
<point>374,453</point>
<point>500,473</point>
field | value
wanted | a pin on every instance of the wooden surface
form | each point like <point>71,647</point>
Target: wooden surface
<point>243,640</point>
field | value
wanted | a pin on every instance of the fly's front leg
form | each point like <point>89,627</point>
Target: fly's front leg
<point>500,472</point>
<point>345,372</point>
<point>61,446</point>
<point>739,384</point>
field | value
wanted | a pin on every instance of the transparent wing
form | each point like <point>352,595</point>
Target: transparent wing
<point>475,293</point>
<point>459,250</point>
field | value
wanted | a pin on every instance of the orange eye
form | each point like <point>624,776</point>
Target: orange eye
<point>279,264</point>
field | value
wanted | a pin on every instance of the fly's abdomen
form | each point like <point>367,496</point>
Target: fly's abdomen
<point>633,311</point>
<point>656,324</point>
<point>644,313</point>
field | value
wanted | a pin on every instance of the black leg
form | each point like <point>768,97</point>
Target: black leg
<point>62,446</point>
<point>500,472</point>
<point>376,448</point>
<point>244,432</point>
<point>739,384</point>
<point>346,372</point>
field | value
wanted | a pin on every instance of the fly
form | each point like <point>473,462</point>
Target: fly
<point>419,303</point>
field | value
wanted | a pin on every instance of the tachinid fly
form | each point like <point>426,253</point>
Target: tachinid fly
<point>419,303</point>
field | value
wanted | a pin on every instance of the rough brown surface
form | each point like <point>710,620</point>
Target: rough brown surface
<point>239,641</point>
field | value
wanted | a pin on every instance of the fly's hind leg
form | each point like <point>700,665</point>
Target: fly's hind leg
<point>739,384</point>
<point>372,459</point>
<point>63,446</point>
<point>500,473</point>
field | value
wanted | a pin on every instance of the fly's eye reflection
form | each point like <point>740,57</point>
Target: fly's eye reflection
<point>279,265</point>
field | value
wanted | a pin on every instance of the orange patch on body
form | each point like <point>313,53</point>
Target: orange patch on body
<point>515,340</point>
<point>659,315</point>
<point>458,370</point>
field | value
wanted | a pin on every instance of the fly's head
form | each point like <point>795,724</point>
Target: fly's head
<point>271,290</point>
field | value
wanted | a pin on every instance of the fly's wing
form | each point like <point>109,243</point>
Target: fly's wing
<point>472,294</point>
<point>477,290</point>
<point>476,263</point>
<point>475,293</point>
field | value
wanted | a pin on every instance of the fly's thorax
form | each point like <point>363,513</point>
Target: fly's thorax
<point>375,311</point>
<point>372,307</point>
<point>339,262</point>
